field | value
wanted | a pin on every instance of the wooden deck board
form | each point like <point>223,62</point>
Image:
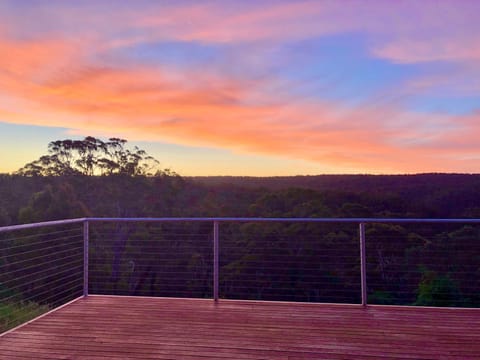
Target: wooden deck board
<point>107,327</point>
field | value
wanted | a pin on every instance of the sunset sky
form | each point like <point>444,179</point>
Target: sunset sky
<point>247,87</point>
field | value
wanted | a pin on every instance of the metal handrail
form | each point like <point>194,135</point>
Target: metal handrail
<point>316,220</point>
<point>40,224</point>
<point>241,219</point>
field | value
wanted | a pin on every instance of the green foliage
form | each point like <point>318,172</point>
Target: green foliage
<point>53,203</point>
<point>4,217</point>
<point>292,202</point>
<point>380,297</point>
<point>438,290</point>
<point>14,311</point>
<point>14,314</point>
<point>354,210</point>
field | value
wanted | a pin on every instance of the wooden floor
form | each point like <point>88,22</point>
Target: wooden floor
<point>102,327</point>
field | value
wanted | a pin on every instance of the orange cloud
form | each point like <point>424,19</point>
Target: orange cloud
<point>209,110</point>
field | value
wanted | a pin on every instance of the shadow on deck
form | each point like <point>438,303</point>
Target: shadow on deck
<point>113,327</point>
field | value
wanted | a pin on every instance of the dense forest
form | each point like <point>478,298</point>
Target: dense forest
<point>37,198</point>
<point>421,264</point>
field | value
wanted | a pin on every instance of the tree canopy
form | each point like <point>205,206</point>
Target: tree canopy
<point>92,156</point>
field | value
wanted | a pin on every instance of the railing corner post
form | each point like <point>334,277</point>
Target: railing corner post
<point>85,257</point>
<point>363,264</point>
<point>215,260</point>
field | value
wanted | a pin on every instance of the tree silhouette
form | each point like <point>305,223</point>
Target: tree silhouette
<point>92,156</point>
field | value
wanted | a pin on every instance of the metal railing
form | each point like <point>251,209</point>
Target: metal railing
<point>399,261</point>
<point>40,269</point>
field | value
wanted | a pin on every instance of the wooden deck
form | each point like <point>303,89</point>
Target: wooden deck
<point>103,327</point>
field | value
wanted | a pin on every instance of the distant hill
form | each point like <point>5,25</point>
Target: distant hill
<point>350,183</point>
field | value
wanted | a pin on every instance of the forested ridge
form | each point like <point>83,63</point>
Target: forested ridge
<point>38,198</point>
<point>406,264</point>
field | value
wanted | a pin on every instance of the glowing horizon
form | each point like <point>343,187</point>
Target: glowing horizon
<point>252,88</point>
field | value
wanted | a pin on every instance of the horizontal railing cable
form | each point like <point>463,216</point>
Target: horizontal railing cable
<point>13,277</point>
<point>23,253</point>
<point>48,291</point>
<point>43,256</point>
<point>43,243</point>
<point>19,238</point>
<point>68,267</point>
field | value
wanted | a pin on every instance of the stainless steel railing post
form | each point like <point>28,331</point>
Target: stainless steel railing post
<point>85,257</point>
<point>215,260</point>
<point>363,264</point>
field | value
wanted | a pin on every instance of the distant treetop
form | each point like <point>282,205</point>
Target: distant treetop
<point>92,156</point>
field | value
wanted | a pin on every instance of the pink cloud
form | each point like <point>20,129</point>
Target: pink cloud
<point>446,49</point>
<point>404,32</point>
